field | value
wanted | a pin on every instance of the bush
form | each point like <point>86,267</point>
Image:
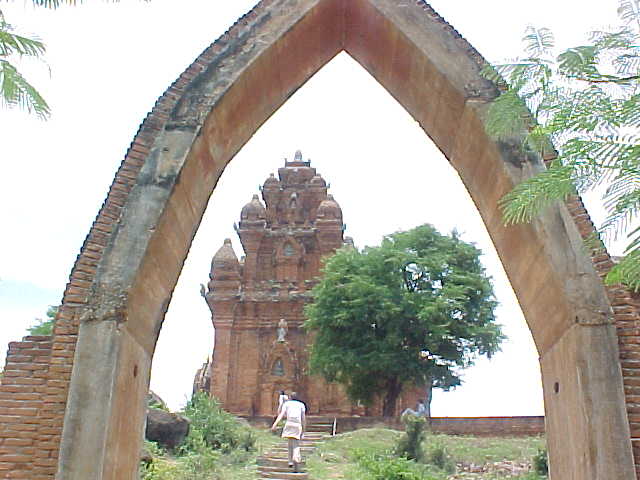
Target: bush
<point>198,466</point>
<point>248,441</point>
<point>217,442</point>
<point>541,462</point>
<point>389,467</point>
<point>440,458</point>
<point>159,469</point>
<point>410,444</point>
<point>214,428</point>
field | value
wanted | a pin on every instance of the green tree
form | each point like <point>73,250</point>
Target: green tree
<point>581,108</point>
<point>44,327</point>
<point>414,311</point>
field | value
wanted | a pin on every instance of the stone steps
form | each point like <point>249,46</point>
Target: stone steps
<point>274,462</point>
<point>274,465</point>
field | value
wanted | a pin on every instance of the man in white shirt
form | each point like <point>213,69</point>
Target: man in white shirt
<point>294,412</point>
<point>420,411</point>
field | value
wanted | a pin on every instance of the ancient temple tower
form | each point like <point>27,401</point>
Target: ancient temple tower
<point>257,302</point>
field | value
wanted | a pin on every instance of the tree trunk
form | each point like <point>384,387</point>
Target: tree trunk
<point>390,398</point>
<point>427,399</point>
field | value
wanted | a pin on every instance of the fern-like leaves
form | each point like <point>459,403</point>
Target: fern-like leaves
<point>583,103</point>
<point>15,90</point>
<point>530,197</point>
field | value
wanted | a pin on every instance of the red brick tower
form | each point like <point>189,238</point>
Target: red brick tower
<point>257,302</point>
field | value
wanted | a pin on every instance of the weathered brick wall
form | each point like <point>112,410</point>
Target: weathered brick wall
<point>489,426</point>
<point>476,426</point>
<point>23,452</point>
<point>57,384</point>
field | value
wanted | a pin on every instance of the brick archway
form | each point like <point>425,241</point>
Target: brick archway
<point>123,279</point>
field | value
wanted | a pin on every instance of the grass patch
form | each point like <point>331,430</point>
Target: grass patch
<point>481,450</point>
<point>367,455</point>
<point>337,457</point>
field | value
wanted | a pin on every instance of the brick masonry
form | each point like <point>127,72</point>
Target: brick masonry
<point>476,426</point>
<point>27,449</point>
<point>34,389</point>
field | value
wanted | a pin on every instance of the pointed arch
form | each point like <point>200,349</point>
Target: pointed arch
<point>123,279</point>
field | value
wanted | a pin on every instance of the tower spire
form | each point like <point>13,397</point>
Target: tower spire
<point>297,161</point>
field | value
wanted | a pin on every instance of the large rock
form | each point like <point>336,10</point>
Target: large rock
<point>166,428</point>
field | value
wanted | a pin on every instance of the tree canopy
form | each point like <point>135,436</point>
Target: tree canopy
<point>44,327</point>
<point>414,311</point>
<point>580,107</point>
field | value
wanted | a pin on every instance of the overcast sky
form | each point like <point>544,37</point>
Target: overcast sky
<point>106,66</point>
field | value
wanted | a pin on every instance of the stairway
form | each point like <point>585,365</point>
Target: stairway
<point>273,464</point>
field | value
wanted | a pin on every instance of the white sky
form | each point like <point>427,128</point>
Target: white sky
<point>109,63</point>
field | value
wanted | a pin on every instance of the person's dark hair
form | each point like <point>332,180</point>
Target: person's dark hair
<point>282,392</point>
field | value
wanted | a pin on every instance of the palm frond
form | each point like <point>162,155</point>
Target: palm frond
<point>630,111</point>
<point>579,61</point>
<point>621,38</point>
<point>14,44</point>
<point>539,140</point>
<point>16,91</point>
<point>508,116</point>
<point>626,272</point>
<point>538,42</point>
<point>622,201</point>
<point>629,11</point>
<point>627,64</point>
<point>529,198</point>
<point>585,104</point>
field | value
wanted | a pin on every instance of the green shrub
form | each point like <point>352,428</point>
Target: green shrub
<point>159,468</point>
<point>198,466</point>
<point>389,467</point>
<point>248,441</point>
<point>200,463</point>
<point>439,457</point>
<point>541,462</point>
<point>410,444</point>
<point>214,428</point>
